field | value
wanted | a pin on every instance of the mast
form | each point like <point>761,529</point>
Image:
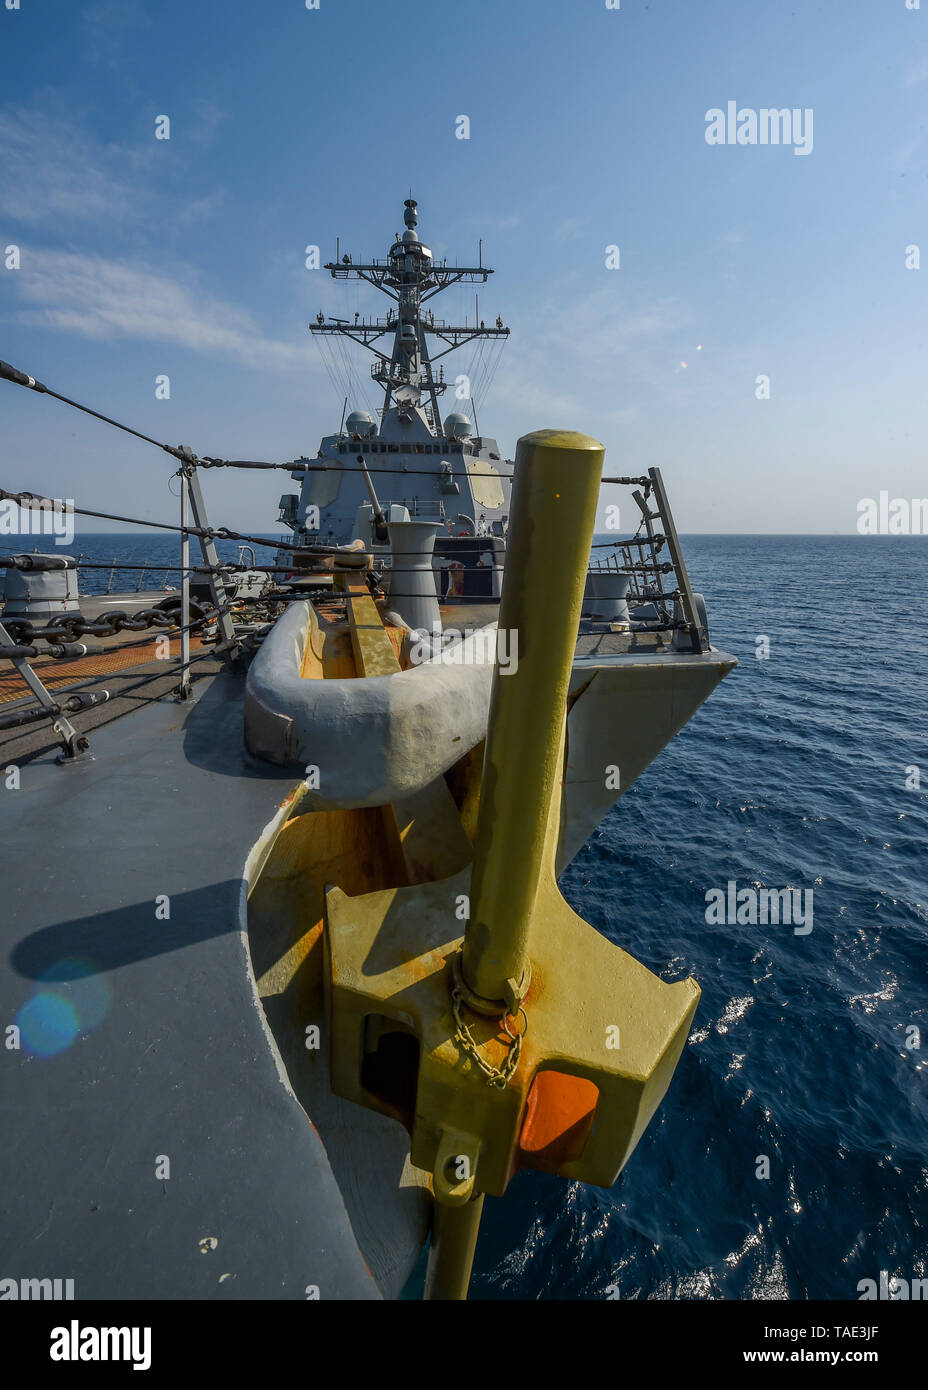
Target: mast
<point>409,276</point>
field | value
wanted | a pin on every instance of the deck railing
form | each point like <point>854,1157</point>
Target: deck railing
<point>649,557</point>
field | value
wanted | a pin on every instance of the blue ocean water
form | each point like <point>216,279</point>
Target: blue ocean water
<point>159,549</point>
<point>791,775</point>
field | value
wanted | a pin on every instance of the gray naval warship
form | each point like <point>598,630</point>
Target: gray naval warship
<point>288,984</point>
<point>423,464</point>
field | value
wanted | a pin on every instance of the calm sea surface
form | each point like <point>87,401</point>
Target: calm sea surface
<point>159,549</point>
<point>793,774</point>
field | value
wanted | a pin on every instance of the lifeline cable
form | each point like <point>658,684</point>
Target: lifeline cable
<point>186,455</point>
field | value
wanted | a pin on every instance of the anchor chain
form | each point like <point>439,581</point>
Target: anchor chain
<point>71,629</point>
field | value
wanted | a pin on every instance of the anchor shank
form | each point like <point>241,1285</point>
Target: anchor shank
<point>557,479</point>
<point>451,1255</point>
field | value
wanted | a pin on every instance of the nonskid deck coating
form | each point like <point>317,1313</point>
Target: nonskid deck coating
<point>169,1056</point>
<point>67,671</point>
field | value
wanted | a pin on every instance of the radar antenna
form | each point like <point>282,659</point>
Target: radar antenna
<point>410,276</point>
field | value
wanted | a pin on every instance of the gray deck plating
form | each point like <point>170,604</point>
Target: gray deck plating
<point>170,1056</point>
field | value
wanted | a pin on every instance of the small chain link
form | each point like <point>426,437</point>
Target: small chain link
<point>496,1076</point>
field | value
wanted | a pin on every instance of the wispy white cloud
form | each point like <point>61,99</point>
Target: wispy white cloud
<point>492,221</point>
<point>106,299</point>
<point>201,209</point>
<point>207,120</point>
<point>108,25</point>
<point>59,176</point>
<point>54,173</point>
<point>908,158</point>
<point>916,74</point>
<point>570,228</point>
<point>598,363</point>
<point>609,326</point>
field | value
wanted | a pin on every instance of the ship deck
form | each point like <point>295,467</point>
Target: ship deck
<point>154,1148</point>
<point>133,685</point>
<point>135,679</point>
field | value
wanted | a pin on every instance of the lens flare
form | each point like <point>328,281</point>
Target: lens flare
<point>47,1024</point>
<point>81,982</point>
<point>72,998</point>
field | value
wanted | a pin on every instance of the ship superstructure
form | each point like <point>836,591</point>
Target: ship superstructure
<point>414,462</point>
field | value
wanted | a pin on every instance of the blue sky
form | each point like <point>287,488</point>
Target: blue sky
<point>289,127</point>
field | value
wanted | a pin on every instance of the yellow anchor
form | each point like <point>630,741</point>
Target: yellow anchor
<point>530,1041</point>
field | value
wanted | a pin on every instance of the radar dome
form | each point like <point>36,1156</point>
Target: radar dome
<point>457,425</point>
<point>360,422</point>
